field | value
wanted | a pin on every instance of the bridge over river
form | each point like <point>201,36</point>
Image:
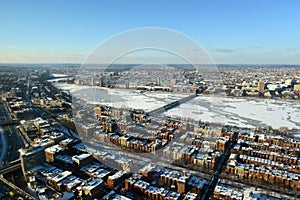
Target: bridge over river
<point>171,105</point>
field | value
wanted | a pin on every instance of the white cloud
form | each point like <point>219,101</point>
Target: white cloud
<point>223,50</point>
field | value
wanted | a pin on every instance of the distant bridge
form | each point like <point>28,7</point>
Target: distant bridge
<point>10,122</point>
<point>171,105</point>
<point>62,77</point>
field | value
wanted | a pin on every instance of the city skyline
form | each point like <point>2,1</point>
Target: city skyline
<point>175,134</point>
<point>231,32</point>
<point>167,100</point>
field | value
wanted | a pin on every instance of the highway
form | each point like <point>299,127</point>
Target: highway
<point>3,141</point>
<point>11,140</point>
<point>17,189</point>
<point>11,168</point>
<point>3,146</point>
<point>9,122</point>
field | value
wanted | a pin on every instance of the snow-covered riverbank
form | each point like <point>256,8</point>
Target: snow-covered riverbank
<point>235,111</point>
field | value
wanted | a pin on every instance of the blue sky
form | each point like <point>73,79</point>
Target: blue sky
<point>231,31</point>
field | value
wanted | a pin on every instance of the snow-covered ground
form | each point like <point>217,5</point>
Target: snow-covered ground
<point>235,111</point>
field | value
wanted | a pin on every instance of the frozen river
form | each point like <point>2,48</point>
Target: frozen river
<point>235,111</point>
<point>242,112</point>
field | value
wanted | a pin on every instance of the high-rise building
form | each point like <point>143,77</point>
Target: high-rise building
<point>261,86</point>
<point>157,80</point>
<point>297,88</point>
<point>181,186</point>
<point>101,82</point>
<point>182,182</point>
<point>93,79</point>
<point>31,158</point>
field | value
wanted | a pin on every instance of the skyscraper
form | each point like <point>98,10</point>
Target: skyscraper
<point>157,80</point>
<point>261,86</point>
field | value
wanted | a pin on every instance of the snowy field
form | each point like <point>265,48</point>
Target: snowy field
<point>235,111</point>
